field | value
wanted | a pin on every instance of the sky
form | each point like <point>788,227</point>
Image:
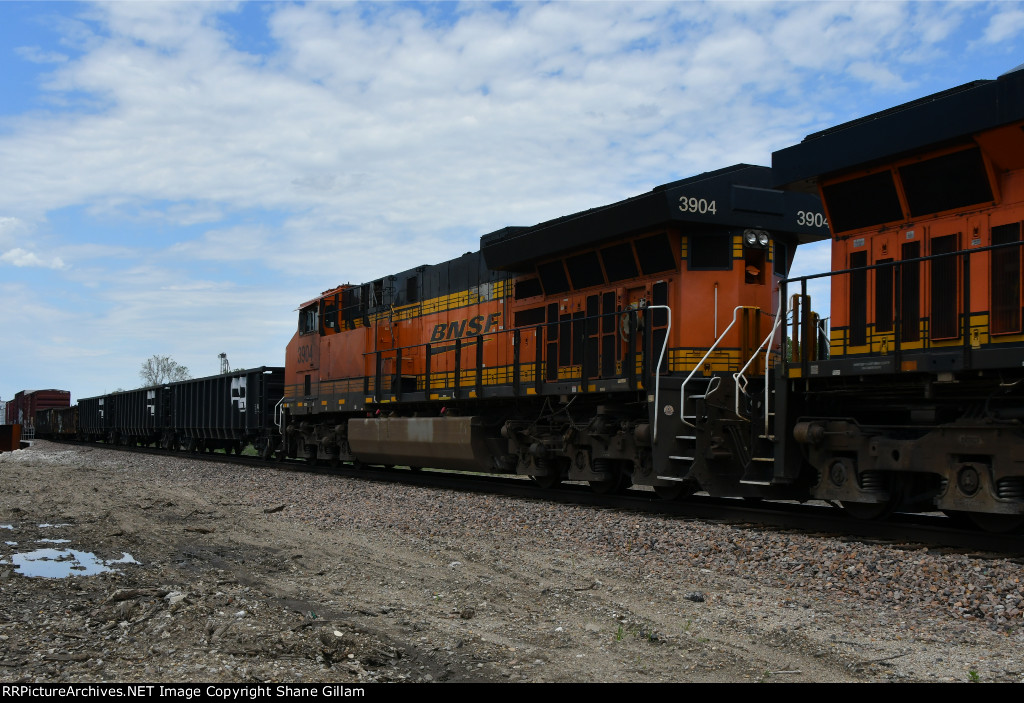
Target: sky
<point>176,178</point>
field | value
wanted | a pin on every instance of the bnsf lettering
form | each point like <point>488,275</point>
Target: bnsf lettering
<point>471,327</point>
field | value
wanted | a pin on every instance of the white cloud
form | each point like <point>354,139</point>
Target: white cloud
<point>12,229</point>
<point>36,55</point>
<point>1005,24</point>
<point>21,257</point>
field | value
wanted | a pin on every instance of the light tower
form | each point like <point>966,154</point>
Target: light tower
<point>225,367</point>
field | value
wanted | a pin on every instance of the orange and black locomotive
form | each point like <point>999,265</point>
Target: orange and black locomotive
<point>576,349</point>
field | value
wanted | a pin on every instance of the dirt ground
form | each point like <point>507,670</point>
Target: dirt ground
<point>230,588</point>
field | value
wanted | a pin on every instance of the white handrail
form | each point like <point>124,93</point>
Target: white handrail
<point>657,369</point>
<point>682,388</point>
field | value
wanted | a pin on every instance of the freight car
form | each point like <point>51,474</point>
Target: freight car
<point>22,409</point>
<point>919,404</point>
<point>228,412</point>
<point>582,348</point>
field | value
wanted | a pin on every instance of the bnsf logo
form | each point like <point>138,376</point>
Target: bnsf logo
<point>463,328</point>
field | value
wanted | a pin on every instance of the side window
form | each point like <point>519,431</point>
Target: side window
<point>308,321</point>
<point>780,258</point>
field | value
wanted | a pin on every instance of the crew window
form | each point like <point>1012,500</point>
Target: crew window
<point>308,320</point>
<point>710,251</point>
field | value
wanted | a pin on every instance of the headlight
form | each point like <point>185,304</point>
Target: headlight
<point>762,239</point>
<point>749,237</point>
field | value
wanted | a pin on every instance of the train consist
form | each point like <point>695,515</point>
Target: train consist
<point>228,412</point>
<point>658,342</point>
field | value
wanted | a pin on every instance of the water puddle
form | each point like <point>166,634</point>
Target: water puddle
<point>61,563</point>
<point>58,563</point>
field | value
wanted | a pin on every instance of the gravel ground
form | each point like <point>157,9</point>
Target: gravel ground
<point>259,575</point>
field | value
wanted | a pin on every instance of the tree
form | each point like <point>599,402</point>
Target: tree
<point>162,369</point>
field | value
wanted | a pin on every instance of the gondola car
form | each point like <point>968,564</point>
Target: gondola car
<point>919,404</point>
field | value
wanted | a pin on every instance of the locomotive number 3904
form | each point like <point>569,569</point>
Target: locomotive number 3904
<point>700,206</point>
<point>811,219</point>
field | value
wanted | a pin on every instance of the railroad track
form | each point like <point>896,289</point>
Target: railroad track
<point>915,530</point>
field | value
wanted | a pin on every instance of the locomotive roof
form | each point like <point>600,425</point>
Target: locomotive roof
<point>742,196</point>
<point>947,116</point>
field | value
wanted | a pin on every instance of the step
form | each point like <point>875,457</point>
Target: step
<point>681,458</point>
<point>670,478</point>
<point>755,483</point>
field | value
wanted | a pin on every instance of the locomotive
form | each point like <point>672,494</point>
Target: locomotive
<point>919,402</point>
<point>658,342</point>
<point>578,349</point>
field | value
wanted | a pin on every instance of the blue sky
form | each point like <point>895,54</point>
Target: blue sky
<point>175,178</point>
